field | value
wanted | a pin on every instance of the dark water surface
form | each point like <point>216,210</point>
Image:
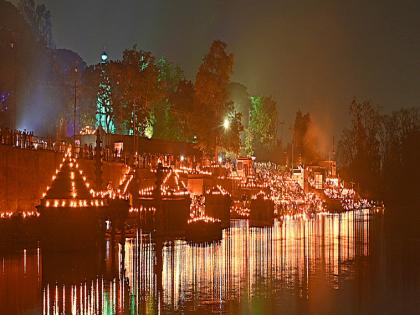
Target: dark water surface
<point>335,264</point>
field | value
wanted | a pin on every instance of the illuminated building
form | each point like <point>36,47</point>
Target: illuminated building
<point>71,211</point>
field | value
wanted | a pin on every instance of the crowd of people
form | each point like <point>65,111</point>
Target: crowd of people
<point>286,193</point>
<point>17,138</point>
<point>24,139</point>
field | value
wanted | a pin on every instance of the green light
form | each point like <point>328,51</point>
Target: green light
<point>103,104</point>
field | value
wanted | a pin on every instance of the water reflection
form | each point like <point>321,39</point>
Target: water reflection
<point>281,265</point>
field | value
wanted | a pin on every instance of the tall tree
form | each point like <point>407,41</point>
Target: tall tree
<point>183,109</point>
<point>359,147</point>
<point>39,19</point>
<point>400,153</point>
<point>212,100</point>
<point>134,89</point>
<point>165,124</point>
<point>105,114</point>
<point>88,93</point>
<point>140,86</point>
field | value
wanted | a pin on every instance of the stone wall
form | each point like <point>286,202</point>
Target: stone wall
<point>25,174</point>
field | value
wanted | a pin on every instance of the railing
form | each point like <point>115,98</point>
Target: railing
<point>28,141</point>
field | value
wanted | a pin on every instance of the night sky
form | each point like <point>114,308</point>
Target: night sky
<point>310,55</point>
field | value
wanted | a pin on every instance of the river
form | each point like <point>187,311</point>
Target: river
<point>333,264</point>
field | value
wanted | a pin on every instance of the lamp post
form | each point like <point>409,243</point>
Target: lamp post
<point>226,126</point>
<point>104,57</point>
<point>134,120</point>
<point>13,47</point>
<point>101,117</point>
<point>226,123</point>
<point>74,107</point>
<point>292,130</point>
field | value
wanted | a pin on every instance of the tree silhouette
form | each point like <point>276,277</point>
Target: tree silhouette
<point>165,125</point>
<point>359,147</point>
<point>212,101</point>
<point>39,19</point>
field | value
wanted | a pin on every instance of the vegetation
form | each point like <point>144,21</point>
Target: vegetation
<point>212,102</point>
<point>380,152</point>
<point>38,18</point>
<point>151,97</point>
<point>263,121</point>
<point>139,94</point>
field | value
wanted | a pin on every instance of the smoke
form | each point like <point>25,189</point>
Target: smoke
<point>319,138</point>
<point>38,109</point>
<point>46,94</point>
<point>38,104</point>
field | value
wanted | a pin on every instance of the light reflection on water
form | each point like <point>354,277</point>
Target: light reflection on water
<point>282,265</point>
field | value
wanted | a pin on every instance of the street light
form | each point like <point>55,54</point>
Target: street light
<point>226,123</point>
<point>74,108</point>
<point>104,57</point>
<point>226,126</point>
<point>13,47</point>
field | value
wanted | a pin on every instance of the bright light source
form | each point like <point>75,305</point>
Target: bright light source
<point>226,123</point>
<point>220,159</point>
<point>148,132</point>
<point>182,158</point>
<point>104,57</point>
